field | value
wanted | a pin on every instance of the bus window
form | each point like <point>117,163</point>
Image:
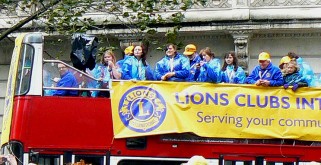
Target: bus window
<point>49,160</point>
<point>24,69</point>
<point>89,159</point>
<point>50,71</point>
<point>84,80</point>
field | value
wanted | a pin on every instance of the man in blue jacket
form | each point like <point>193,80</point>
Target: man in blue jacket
<point>266,74</point>
<point>67,80</point>
<point>194,61</point>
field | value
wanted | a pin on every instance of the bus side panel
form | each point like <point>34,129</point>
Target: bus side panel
<point>63,122</point>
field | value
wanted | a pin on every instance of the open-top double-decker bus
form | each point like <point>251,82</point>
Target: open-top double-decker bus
<point>152,122</point>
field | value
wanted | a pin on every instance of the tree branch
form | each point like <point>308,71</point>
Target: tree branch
<point>28,19</point>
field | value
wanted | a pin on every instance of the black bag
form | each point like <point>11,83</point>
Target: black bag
<point>84,50</point>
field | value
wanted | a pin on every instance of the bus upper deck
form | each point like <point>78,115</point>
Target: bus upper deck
<point>152,121</point>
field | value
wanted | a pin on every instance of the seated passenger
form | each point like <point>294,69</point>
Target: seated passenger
<point>210,70</point>
<point>67,80</point>
<point>172,67</point>
<point>266,74</point>
<point>136,67</point>
<point>293,77</point>
<point>231,72</point>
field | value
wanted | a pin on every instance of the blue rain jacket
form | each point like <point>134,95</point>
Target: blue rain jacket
<point>193,74</point>
<point>295,78</point>
<point>134,69</point>
<point>270,73</point>
<point>230,76</point>
<point>181,68</point>
<point>210,72</point>
<point>67,80</point>
<point>306,72</point>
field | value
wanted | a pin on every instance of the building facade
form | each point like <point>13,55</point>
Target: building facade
<point>246,26</point>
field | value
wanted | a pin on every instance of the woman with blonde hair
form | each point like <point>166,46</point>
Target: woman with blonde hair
<point>293,77</point>
<point>105,71</point>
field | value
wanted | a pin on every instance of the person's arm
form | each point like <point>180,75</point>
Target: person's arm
<point>149,73</point>
<point>159,70</point>
<point>66,81</point>
<point>213,72</point>
<point>185,67</point>
<point>240,76</point>
<point>301,81</point>
<point>277,79</point>
<point>126,70</point>
<point>253,77</point>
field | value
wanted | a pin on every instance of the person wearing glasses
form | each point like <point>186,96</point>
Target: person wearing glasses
<point>66,80</point>
<point>265,74</point>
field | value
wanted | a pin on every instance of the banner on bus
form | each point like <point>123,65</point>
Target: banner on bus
<point>215,110</point>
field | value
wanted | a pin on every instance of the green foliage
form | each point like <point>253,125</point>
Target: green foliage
<point>139,16</point>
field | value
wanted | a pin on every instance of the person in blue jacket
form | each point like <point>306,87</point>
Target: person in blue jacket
<point>194,61</point>
<point>172,67</point>
<point>266,74</point>
<point>104,71</point>
<point>293,77</point>
<point>306,72</point>
<point>136,67</point>
<point>129,51</point>
<point>67,79</point>
<point>231,72</point>
<point>210,70</point>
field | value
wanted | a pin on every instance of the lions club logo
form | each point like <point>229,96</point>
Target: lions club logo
<point>142,109</point>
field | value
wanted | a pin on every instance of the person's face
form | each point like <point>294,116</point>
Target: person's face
<point>264,63</point>
<point>107,57</point>
<point>285,65</point>
<point>191,57</point>
<point>290,68</point>
<point>206,57</point>
<point>229,59</point>
<point>62,69</point>
<point>138,51</point>
<point>170,50</point>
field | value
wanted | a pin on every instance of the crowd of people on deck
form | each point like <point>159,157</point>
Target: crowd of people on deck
<point>192,66</point>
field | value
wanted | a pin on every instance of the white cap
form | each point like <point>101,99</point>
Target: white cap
<point>196,160</point>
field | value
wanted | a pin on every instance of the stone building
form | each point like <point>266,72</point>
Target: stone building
<point>246,26</point>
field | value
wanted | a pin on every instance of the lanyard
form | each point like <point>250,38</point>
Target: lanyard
<point>262,75</point>
<point>230,75</point>
<point>171,64</point>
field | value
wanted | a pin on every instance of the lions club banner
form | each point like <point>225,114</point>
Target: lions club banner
<point>215,110</point>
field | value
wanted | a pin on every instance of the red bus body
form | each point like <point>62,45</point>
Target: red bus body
<point>84,125</point>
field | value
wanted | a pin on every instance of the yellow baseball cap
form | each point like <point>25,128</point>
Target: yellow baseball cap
<point>189,49</point>
<point>264,56</point>
<point>285,60</point>
<point>129,50</point>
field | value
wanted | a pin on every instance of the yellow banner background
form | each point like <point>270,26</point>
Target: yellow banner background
<point>225,110</point>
